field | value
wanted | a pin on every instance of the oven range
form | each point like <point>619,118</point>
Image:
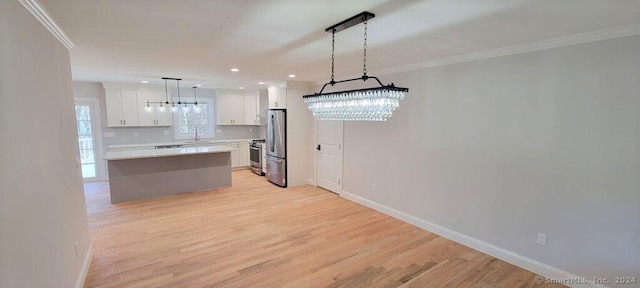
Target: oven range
<point>257,156</point>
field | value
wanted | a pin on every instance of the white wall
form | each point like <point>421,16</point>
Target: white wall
<point>299,119</point>
<point>42,208</point>
<point>504,148</point>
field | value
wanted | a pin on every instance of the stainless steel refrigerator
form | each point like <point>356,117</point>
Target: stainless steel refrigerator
<point>277,147</point>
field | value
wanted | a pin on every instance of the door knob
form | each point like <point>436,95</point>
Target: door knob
<point>318,148</point>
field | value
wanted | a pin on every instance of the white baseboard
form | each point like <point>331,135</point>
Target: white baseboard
<point>526,263</point>
<point>85,267</point>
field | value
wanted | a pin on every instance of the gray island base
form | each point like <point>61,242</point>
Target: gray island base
<point>135,175</point>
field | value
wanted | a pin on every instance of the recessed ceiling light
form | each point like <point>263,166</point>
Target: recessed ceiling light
<point>199,85</point>
<point>260,82</point>
<point>235,69</point>
<point>292,76</point>
<point>144,81</point>
<point>240,87</point>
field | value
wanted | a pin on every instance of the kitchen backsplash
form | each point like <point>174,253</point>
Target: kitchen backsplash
<point>143,135</point>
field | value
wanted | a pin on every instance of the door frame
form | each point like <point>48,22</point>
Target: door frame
<point>96,124</point>
<point>317,158</point>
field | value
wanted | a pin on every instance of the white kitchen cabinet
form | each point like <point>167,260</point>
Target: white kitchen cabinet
<point>237,107</point>
<point>122,107</point>
<point>243,154</point>
<point>234,154</point>
<point>277,97</point>
<point>239,157</point>
<point>251,106</point>
<point>230,109</point>
<point>154,118</point>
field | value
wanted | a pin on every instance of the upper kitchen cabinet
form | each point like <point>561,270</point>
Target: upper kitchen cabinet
<point>237,107</point>
<point>122,107</point>
<point>126,102</point>
<point>154,118</point>
<point>230,109</point>
<point>277,97</point>
<point>251,108</point>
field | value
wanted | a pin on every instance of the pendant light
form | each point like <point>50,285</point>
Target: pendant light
<point>370,104</point>
<point>174,105</point>
<point>196,108</point>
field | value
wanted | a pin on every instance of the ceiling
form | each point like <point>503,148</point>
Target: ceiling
<point>135,40</point>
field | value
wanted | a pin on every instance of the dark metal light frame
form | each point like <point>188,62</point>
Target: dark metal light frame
<point>166,94</point>
<point>345,24</point>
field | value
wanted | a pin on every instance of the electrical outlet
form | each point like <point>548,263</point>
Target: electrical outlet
<point>373,188</point>
<point>542,239</point>
<point>109,134</point>
<point>166,132</point>
<point>219,131</point>
<point>250,129</point>
<point>135,133</point>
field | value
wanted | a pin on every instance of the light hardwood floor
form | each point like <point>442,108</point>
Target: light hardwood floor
<point>255,234</point>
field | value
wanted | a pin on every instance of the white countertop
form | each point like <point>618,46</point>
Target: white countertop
<point>153,153</point>
<point>185,142</point>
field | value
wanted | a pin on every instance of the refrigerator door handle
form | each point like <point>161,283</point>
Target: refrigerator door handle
<point>273,135</point>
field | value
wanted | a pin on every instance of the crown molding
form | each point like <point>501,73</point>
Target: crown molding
<point>606,34</point>
<point>47,21</point>
<point>582,38</point>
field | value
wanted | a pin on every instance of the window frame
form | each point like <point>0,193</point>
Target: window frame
<point>211,126</point>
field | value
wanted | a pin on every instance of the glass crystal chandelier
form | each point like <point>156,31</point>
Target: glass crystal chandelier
<point>370,104</point>
<point>173,108</point>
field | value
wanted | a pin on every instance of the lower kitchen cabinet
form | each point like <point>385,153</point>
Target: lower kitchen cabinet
<point>239,157</point>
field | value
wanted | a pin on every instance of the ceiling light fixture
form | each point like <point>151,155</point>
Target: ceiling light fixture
<point>173,108</point>
<point>369,104</point>
<point>235,69</point>
<point>240,87</point>
<point>144,81</point>
<point>199,85</point>
<point>260,82</point>
<point>292,76</point>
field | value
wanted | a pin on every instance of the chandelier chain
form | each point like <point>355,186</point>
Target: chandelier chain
<point>333,54</point>
<point>364,57</point>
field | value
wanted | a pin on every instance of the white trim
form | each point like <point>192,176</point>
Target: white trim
<point>477,244</point>
<point>85,267</point>
<point>606,34</point>
<point>47,21</point>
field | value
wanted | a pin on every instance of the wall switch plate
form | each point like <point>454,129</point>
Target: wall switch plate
<point>373,188</point>
<point>542,239</point>
<point>109,134</point>
<point>250,129</point>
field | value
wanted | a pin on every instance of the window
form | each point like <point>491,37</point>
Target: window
<point>185,124</point>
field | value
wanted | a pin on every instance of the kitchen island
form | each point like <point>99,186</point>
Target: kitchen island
<point>140,174</point>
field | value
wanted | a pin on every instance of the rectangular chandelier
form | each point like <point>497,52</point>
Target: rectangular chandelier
<point>369,104</point>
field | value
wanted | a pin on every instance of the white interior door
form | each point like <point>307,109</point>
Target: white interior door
<point>329,151</point>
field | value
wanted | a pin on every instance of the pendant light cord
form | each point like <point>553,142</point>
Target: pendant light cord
<point>364,48</point>
<point>178,83</point>
<point>166,92</point>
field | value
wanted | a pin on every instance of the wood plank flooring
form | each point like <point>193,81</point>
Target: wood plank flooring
<point>255,234</point>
